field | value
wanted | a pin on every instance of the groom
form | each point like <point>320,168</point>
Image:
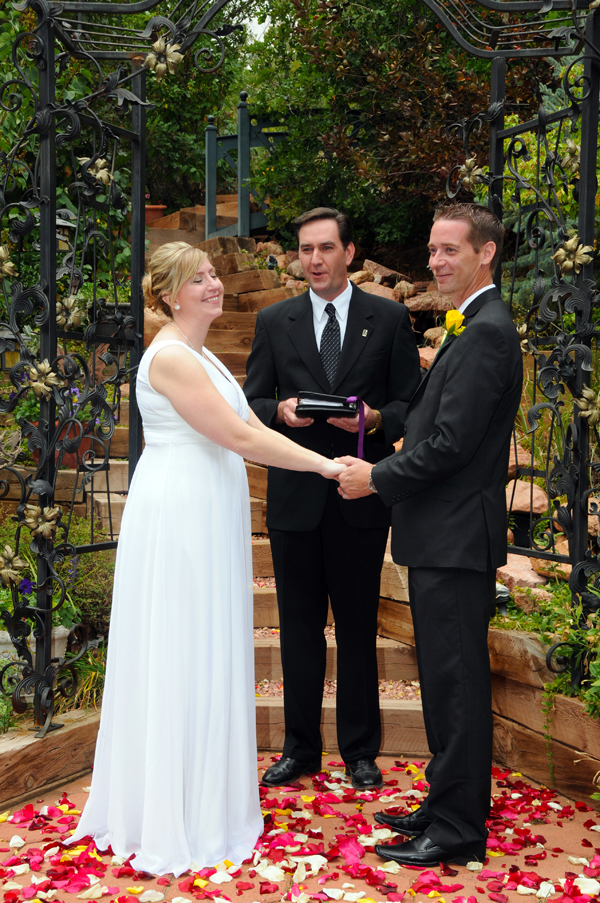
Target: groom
<point>451,472</point>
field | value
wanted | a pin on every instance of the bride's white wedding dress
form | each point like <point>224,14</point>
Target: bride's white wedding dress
<point>175,773</point>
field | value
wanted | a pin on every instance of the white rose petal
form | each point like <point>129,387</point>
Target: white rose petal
<point>579,860</point>
<point>347,884</point>
<point>36,880</point>
<point>181,900</point>
<point>51,852</point>
<point>376,836</point>
<point>269,872</point>
<point>92,893</point>
<point>16,842</point>
<point>334,893</point>
<point>220,878</point>
<point>545,890</point>
<point>556,806</point>
<point>151,896</point>
<point>117,860</point>
<point>594,827</point>
<point>391,867</point>
<point>352,898</point>
<point>12,885</point>
<point>20,869</point>
<point>474,866</point>
<point>300,873</point>
<point>587,885</point>
<point>510,831</point>
<point>526,891</point>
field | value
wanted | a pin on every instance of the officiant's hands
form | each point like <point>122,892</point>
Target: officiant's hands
<point>351,424</point>
<point>354,480</point>
<point>286,413</point>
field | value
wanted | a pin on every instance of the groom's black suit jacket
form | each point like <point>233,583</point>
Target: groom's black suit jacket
<point>447,484</point>
<point>379,363</point>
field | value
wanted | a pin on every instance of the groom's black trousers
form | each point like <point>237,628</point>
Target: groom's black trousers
<point>343,563</point>
<point>451,608</point>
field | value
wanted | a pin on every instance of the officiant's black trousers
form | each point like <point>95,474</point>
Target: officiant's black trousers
<point>451,609</point>
<point>343,563</point>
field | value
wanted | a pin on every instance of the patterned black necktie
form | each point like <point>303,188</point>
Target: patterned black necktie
<point>330,344</point>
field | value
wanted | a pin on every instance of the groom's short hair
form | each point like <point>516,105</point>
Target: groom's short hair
<point>484,225</point>
<point>343,222</point>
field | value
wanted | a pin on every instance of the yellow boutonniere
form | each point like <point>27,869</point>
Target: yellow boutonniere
<point>454,322</point>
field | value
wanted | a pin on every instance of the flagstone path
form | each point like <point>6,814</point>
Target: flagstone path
<point>318,845</point>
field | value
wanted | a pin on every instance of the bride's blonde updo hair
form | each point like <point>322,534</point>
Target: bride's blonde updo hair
<point>170,267</point>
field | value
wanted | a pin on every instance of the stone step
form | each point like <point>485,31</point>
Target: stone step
<point>266,613</point>
<point>257,480</point>
<point>258,515</point>
<point>262,560</point>
<point>250,281</point>
<point>395,661</point>
<point>255,301</point>
<point>108,512</point>
<point>403,730</point>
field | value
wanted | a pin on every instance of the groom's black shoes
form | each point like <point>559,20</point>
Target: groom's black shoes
<point>288,770</point>
<point>411,824</point>
<point>422,851</point>
<point>364,774</point>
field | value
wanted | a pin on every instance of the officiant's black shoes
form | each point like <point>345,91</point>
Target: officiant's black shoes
<point>422,851</point>
<point>411,824</point>
<point>287,771</point>
<point>364,774</point>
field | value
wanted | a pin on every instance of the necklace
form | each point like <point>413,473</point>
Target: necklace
<point>184,336</point>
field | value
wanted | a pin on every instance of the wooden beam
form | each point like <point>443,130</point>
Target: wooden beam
<point>403,731</point>
<point>524,750</point>
<point>262,560</point>
<point>519,656</point>
<point>257,480</point>
<point>28,764</point>
<point>569,724</point>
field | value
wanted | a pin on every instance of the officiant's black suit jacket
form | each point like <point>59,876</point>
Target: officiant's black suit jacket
<point>448,481</point>
<point>379,362</point>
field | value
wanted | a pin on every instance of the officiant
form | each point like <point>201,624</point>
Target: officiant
<point>334,339</point>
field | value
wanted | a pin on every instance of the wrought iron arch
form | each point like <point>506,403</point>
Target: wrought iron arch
<point>539,172</point>
<point>79,384</point>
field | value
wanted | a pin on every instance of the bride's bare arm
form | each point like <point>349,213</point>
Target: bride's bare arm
<point>175,373</point>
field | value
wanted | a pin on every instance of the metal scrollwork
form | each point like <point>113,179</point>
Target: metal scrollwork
<point>541,179</point>
<point>69,340</point>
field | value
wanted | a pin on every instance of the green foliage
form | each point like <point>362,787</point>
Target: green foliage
<point>88,578</point>
<point>554,621</point>
<point>7,715</point>
<point>90,682</point>
<point>384,81</point>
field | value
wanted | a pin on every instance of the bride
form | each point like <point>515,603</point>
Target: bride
<point>175,773</point>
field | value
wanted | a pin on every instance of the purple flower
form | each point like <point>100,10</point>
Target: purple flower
<point>26,586</point>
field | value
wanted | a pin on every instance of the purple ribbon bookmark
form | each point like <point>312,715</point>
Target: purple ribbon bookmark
<point>361,422</point>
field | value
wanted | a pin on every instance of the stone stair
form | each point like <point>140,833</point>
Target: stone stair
<point>402,720</point>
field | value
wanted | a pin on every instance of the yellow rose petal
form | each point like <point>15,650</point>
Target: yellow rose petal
<point>307,799</point>
<point>4,816</point>
<point>200,882</point>
<point>135,890</point>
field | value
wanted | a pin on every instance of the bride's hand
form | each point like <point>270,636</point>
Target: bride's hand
<point>332,469</point>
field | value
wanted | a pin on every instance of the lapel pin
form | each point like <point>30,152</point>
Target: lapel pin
<point>365,333</point>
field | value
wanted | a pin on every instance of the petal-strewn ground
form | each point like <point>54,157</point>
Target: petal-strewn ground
<point>318,844</point>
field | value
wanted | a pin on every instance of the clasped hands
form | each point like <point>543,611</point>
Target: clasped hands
<point>354,480</point>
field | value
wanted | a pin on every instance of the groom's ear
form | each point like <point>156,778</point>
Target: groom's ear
<point>488,252</point>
